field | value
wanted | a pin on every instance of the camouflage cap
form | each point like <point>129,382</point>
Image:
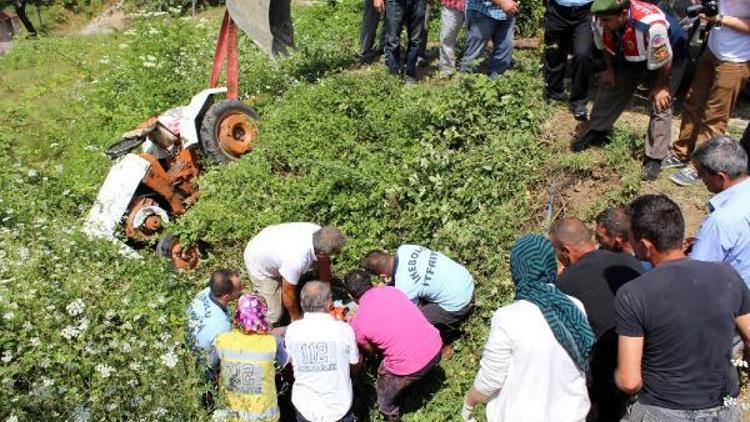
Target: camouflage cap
<point>603,7</point>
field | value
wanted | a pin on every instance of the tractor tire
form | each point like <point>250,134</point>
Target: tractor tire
<point>181,259</point>
<point>228,130</point>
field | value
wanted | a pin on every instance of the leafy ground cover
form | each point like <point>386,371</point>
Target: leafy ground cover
<point>85,334</point>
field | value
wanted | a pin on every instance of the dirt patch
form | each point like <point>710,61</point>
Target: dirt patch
<point>111,19</point>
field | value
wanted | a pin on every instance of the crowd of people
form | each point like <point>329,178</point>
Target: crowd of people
<point>640,40</point>
<point>629,321</point>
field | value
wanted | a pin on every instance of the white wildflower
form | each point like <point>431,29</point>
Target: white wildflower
<point>47,382</point>
<point>126,348</point>
<point>169,359</point>
<point>133,382</point>
<point>76,307</point>
<point>8,316</point>
<point>162,320</point>
<point>31,173</point>
<point>12,418</point>
<point>159,411</point>
<point>739,363</point>
<point>729,401</point>
<point>28,326</point>
<point>135,366</point>
<point>70,332</point>
<point>7,356</point>
<point>23,253</point>
<point>104,370</point>
<point>34,341</point>
<point>81,414</point>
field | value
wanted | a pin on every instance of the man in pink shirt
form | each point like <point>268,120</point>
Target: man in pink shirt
<point>389,323</point>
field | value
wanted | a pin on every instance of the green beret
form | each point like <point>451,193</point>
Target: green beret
<point>605,7</point>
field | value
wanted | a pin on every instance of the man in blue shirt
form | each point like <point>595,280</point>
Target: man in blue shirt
<point>442,288</point>
<point>208,314</point>
<point>489,20</point>
<point>725,233</point>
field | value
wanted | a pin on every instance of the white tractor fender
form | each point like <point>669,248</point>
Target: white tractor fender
<point>114,196</point>
<point>189,123</point>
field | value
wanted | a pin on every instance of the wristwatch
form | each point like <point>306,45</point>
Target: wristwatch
<point>718,20</point>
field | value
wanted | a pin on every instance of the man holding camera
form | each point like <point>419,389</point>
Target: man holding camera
<point>639,41</point>
<point>720,76</point>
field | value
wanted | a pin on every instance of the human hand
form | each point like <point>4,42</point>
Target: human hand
<point>608,77</point>
<point>509,6</point>
<point>662,98</point>
<point>379,6</point>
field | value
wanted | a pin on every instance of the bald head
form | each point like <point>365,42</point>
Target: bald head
<point>571,239</point>
<point>570,230</point>
<point>315,297</point>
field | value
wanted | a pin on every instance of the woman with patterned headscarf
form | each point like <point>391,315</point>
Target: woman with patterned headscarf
<point>534,362</point>
<point>247,355</point>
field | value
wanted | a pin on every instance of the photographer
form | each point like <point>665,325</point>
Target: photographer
<point>720,75</point>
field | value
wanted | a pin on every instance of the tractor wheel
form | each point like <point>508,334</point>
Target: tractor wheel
<point>182,258</point>
<point>228,130</point>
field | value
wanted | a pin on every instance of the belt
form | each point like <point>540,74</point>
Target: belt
<point>572,9</point>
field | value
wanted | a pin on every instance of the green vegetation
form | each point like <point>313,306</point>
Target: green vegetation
<point>86,333</point>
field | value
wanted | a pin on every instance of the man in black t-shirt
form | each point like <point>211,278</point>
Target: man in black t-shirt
<point>676,323</point>
<point>593,276</point>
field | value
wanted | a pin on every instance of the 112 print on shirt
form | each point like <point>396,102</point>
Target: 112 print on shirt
<point>316,356</point>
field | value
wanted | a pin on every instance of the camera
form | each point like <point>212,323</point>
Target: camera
<point>707,7</point>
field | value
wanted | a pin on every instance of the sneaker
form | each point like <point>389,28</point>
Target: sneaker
<point>589,139</point>
<point>580,112</point>
<point>421,62</point>
<point>673,162</point>
<point>651,170</point>
<point>685,177</point>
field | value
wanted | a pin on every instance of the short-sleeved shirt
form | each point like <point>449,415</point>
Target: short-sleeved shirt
<point>389,321</point>
<point>425,275</point>
<point>207,317</point>
<point>487,8</point>
<point>284,250</point>
<point>594,280</point>
<point>724,235</point>
<point>728,44</point>
<point>686,311</point>
<point>321,349</point>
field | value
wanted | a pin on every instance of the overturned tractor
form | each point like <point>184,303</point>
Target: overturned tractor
<point>155,167</point>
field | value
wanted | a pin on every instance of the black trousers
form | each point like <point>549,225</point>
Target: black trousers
<point>568,29</point>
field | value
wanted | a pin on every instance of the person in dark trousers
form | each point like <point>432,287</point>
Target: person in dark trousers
<point>567,28</point>
<point>593,276</point>
<point>400,13</point>
<point>370,21</point>
<point>639,42</point>
<point>20,8</point>
<point>676,324</point>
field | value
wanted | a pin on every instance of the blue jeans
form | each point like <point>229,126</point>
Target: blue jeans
<point>481,29</point>
<point>397,14</point>
<point>639,412</point>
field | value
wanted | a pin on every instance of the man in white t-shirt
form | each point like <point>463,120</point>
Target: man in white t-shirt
<point>722,71</point>
<point>323,351</point>
<point>278,256</point>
